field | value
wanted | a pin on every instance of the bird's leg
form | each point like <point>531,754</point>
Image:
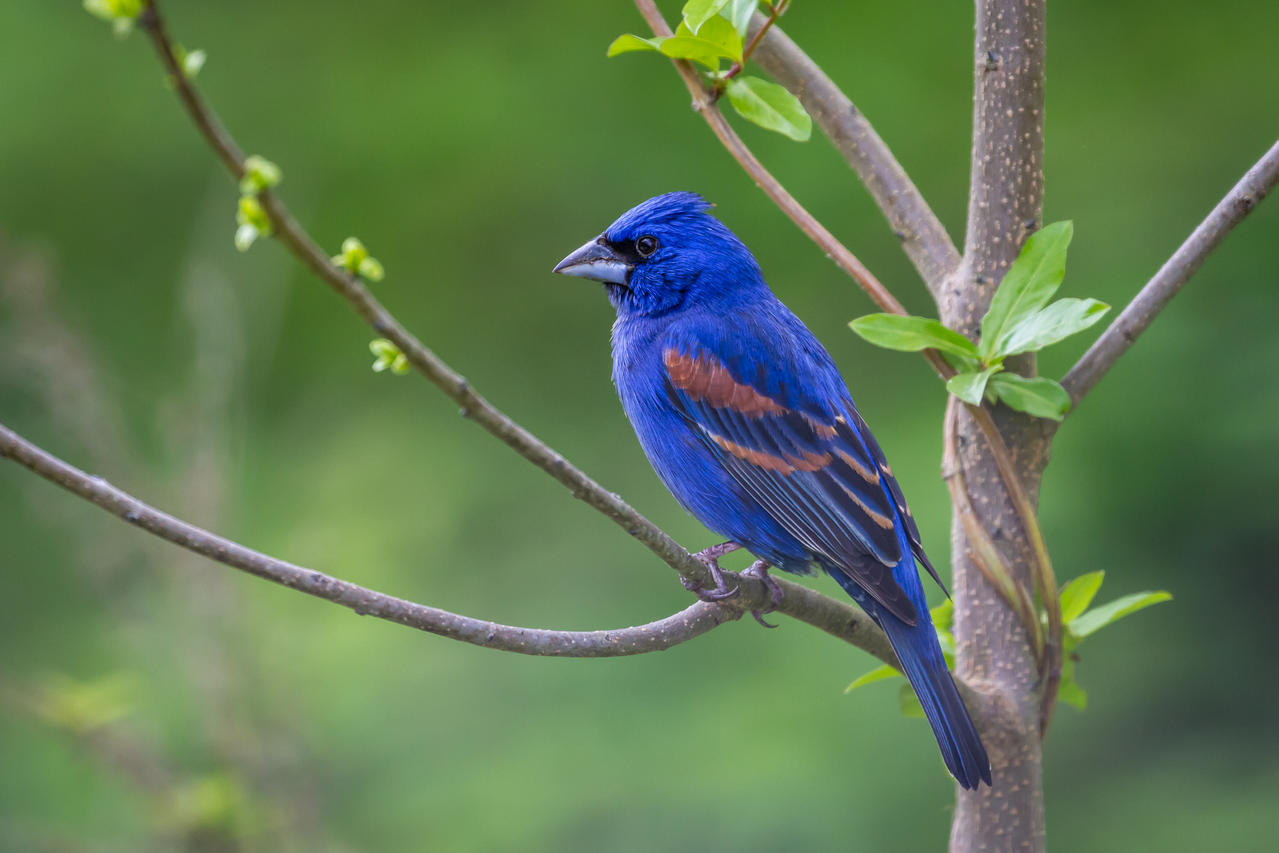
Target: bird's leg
<point>759,569</point>
<point>710,559</point>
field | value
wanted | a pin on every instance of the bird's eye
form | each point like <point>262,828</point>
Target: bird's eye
<point>646,245</point>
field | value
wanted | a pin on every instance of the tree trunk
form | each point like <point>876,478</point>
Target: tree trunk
<point>993,653</point>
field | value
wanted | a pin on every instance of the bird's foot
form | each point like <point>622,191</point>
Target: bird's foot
<point>710,559</point>
<point>759,570</point>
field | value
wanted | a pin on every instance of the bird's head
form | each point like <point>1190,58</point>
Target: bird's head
<point>665,254</point>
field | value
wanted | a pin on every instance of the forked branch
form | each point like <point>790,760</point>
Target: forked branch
<point>922,235</point>
<point>1172,276</point>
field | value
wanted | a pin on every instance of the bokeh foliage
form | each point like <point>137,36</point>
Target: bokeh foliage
<point>473,145</point>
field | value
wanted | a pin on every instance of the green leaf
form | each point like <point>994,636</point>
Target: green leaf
<point>970,386</point>
<point>1068,689</point>
<point>388,357</point>
<point>1060,320</point>
<point>193,62</point>
<point>1099,617</point>
<point>251,212</point>
<point>627,43</point>
<point>259,174</point>
<point>1077,594</point>
<point>943,616</point>
<point>739,12</point>
<point>371,270</point>
<point>245,236</point>
<point>1038,395</point>
<point>909,702</point>
<point>911,334</point>
<point>698,12</point>
<point>882,672</point>
<point>1028,285</point>
<point>1072,694</point>
<point>715,41</point>
<point>114,10</point>
<point>961,363</point>
<point>770,106</point>
<point>692,49</point>
<point>190,61</point>
<point>353,254</point>
<point>99,9</point>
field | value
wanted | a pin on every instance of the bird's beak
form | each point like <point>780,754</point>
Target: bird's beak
<point>596,261</point>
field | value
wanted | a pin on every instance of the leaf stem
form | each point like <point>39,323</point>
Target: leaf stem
<point>775,13</point>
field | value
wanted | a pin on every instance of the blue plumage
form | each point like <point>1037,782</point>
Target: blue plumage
<point>748,422</point>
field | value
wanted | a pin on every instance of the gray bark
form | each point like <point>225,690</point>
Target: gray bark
<point>993,652</point>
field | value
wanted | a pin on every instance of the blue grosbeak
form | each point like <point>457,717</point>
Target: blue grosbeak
<point>747,421</point>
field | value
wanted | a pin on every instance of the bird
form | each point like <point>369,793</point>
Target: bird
<point>749,424</point>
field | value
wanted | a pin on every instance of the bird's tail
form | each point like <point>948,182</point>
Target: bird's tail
<point>925,667</point>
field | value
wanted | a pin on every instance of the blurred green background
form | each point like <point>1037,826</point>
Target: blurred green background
<point>151,700</point>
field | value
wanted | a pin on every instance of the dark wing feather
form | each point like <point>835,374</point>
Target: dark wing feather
<point>818,476</point>
<point>912,529</point>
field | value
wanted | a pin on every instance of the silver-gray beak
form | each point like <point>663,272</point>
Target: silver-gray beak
<point>596,261</point>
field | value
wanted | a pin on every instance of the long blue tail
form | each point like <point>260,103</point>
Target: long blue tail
<point>925,668</point>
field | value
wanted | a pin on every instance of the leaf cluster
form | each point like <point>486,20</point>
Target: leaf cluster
<point>712,32</point>
<point>121,14</point>
<point>1020,320</point>
<point>251,218</point>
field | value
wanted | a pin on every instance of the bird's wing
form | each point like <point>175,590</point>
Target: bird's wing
<point>811,463</point>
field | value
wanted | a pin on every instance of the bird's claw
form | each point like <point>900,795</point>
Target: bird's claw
<point>710,559</point>
<point>759,570</point>
<point>720,592</point>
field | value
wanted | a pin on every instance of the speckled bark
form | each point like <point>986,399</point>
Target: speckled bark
<point>993,653</point>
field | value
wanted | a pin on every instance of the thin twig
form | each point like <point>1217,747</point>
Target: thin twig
<point>655,636</point>
<point>1172,276</point>
<point>837,618</point>
<point>923,237</point>
<point>763,27</point>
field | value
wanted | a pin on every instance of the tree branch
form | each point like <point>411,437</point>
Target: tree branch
<point>1004,206</point>
<point>655,636</point>
<point>923,237</point>
<point>349,287</point>
<point>1172,276</point>
<point>836,618</point>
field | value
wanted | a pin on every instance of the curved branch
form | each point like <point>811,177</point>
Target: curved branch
<point>923,237</point>
<point>836,618</point>
<point>287,230</point>
<point>655,636</point>
<point>800,602</point>
<point>1172,276</point>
